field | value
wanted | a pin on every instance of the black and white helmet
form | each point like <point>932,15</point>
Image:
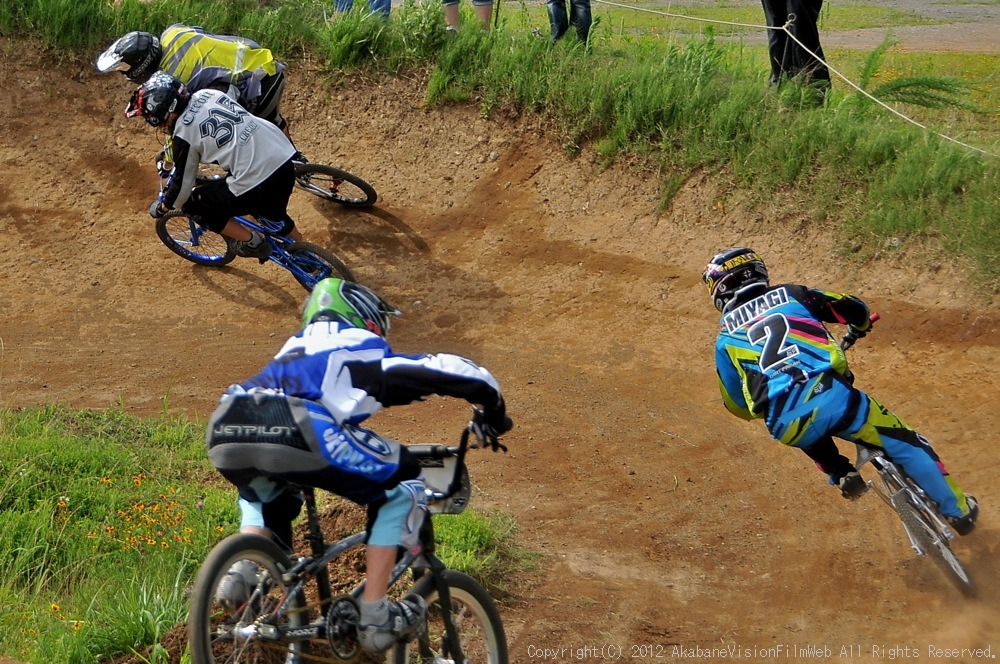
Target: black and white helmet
<point>160,100</point>
<point>137,55</point>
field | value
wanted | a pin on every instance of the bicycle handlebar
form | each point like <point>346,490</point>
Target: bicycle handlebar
<point>850,338</point>
<point>480,436</point>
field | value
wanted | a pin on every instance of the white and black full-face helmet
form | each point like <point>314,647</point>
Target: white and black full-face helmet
<point>731,271</point>
<point>137,55</point>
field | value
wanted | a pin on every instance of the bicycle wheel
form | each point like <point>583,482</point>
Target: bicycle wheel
<point>315,263</point>
<point>334,184</point>
<point>190,240</point>
<point>477,620</point>
<point>217,633</point>
<point>932,541</point>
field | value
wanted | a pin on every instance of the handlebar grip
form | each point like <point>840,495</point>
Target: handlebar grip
<point>850,338</point>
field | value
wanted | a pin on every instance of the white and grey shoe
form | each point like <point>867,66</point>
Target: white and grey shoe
<point>256,247</point>
<point>235,588</point>
<point>405,616</point>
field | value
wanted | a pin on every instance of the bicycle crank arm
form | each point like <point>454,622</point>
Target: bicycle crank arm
<point>942,527</point>
<point>880,492</point>
<point>276,634</point>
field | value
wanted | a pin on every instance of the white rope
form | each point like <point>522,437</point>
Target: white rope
<point>787,31</point>
<point>690,18</point>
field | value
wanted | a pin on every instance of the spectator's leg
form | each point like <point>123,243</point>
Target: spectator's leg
<point>451,13</point>
<point>557,17</point>
<point>775,15</point>
<point>806,31</point>
<point>579,16</point>
<point>484,12</point>
<point>380,8</point>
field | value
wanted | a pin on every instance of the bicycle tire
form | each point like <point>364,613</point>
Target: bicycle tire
<point>476,618</point>
<point>933,542</point>
<point>191,241</point>
<point>317,263</point>
<point>334,184</point>
<point>212,629</point>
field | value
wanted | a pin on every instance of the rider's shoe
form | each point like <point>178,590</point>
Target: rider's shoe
<point>234,589</point>
<point>256,247</point>
<point>852,486</point>
<point>965,524</point>
<point>405,617</point>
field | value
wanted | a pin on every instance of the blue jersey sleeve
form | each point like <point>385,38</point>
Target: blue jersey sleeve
<point>731,384</point>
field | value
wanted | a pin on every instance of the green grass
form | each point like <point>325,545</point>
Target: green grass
<point>106,517</point>
<point>482,545</point>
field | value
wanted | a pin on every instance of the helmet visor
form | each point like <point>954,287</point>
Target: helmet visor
<point>111,60</point>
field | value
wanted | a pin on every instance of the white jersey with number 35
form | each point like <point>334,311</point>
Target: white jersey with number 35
<point>220,131</point>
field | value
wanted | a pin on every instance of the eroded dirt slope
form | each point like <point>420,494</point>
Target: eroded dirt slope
<point>660,519</point>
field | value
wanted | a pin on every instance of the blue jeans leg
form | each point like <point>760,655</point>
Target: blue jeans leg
<point>380,7</point>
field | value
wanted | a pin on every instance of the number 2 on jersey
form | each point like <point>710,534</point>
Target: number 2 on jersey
<point>771,333</point>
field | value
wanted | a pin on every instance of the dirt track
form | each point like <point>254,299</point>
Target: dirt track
<point>662,521</point>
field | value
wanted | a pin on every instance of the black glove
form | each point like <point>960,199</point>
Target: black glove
<point>156,209</point>
<point>852,336</point>
<point>495,423</point>
<point>496,418</point>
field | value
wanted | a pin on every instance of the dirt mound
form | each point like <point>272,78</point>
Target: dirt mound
<point>662,521</point>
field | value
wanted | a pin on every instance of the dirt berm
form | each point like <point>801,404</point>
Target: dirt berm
<point>665,527</point>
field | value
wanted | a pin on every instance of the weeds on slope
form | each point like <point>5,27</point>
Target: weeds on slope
<point>684,103</point>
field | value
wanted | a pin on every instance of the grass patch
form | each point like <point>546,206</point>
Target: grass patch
<point>482,545</point>
<point>107,517</point>
<point>104,518</point>
<point>661,18</point>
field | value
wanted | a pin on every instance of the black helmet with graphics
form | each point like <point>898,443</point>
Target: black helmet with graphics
<point>137,55</point>
<point>731,271</point>
<point>160,100</point>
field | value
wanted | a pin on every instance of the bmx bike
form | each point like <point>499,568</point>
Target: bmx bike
<point>292,616</point>
<point>308,263</point>
<point>927,531</point>
<point>334,184</point>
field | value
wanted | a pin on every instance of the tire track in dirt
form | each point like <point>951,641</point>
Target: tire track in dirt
<point>659,519</point>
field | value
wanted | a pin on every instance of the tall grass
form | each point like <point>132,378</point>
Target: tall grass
<point>103,518</point>
<point>683,103</point>
<point>106,519</point>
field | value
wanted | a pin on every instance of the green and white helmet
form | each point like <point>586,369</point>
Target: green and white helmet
<point>339,300</point>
